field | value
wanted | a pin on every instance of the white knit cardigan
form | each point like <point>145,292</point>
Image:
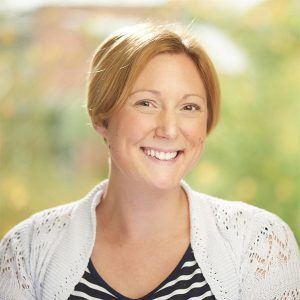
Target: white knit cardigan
<point>244,252</point>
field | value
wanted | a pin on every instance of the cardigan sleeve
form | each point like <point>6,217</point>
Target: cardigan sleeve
<point>270,266</point>
<point>15,277</point>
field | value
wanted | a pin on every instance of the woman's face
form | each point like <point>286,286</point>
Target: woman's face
<point>158,134</point>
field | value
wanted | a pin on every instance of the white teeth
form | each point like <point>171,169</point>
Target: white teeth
<point>160,155</point>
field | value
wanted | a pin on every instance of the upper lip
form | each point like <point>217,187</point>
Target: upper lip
<point>161,150</point>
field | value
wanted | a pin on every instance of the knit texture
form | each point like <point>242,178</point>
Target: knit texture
<point>244,252</point>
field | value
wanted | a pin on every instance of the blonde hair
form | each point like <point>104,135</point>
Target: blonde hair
<point>121,57</point>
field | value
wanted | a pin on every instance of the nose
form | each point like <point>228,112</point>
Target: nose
<point>167,125</point>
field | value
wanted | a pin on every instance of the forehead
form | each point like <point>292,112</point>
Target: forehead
<point>170,70</point>
<point>165,60</point>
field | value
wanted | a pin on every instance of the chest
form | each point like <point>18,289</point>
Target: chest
<point>136,269</point>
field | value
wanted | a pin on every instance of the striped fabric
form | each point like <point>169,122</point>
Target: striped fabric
<point>185,282</point>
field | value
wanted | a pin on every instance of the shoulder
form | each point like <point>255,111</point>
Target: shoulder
<point>42,223</point>
<point>251,224</point>
<point>236,217</point>
<point>52,221</point>
<point>27,248</point>
<point>41,228</point>
<point>266,253</point>
<point>230,217</point>
<point>22,249</point>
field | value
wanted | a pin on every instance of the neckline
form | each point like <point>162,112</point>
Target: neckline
<point>101,281</point>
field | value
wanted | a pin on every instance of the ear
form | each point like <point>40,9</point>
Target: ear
<point>101,129</point>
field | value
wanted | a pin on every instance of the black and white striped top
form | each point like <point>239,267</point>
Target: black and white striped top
<point>185,282</point>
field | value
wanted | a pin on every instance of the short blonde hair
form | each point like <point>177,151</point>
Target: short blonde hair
<point>121,57</point>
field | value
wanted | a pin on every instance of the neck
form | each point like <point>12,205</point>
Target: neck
<point>130,212</point>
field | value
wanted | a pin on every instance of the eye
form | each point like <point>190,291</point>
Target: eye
<point>191,107</point>
<point>145,103</point>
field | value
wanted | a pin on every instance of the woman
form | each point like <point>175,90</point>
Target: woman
<point>153,95</point>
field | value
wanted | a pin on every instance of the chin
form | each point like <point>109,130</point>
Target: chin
<point>165,183</point>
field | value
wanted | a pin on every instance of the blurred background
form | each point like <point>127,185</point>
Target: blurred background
<point>49,154</point>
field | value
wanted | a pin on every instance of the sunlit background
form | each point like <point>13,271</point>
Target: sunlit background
<point>49,154</point>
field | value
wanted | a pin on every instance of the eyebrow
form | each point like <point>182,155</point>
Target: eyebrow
<point>157,93</point>
<point>146,90</point>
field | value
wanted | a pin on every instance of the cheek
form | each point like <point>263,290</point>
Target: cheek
<point>130,127</point>
<point>196,133</point>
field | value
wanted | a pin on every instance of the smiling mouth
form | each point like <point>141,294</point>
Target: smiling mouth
<point>161,155</point>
